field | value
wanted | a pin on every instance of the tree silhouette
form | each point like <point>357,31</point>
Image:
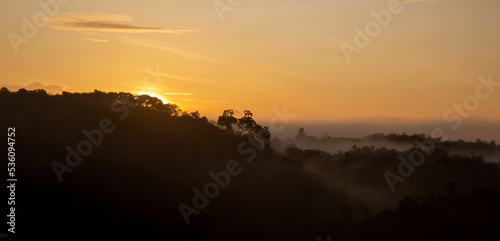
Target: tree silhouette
<point>247,123</point>
<point>301,134</point>
<point>195,115</point>
<point>4,90</point>
<point>227,120</point>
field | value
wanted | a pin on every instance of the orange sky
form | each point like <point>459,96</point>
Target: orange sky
<point>264,54</point>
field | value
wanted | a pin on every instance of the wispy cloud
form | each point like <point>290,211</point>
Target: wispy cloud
<point>98,40</point>
<point>178,93</point>
<point>104,23</point>
<point>184,52</point>
<point>195,100</point>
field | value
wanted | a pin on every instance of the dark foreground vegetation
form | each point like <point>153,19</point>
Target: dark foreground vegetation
<point>129,183</point>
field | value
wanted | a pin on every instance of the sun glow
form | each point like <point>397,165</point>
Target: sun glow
<point>165,101</point>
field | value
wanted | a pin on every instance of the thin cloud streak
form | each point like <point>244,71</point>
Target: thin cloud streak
<point>183,53</point>
<point>97,40</point>
<point>96,22</point>
<point>206,101</point>
<point>178,93</point>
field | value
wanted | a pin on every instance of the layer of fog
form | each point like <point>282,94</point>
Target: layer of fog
<point>470,130</point>
<point>333,145</point>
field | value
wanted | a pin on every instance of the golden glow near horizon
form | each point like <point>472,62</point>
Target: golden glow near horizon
<point>152,94</point>
<point>415,65</point>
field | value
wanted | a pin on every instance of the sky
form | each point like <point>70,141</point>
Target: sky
<point>264,55</point>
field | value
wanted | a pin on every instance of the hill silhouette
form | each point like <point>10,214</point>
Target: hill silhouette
<point>117,166</point>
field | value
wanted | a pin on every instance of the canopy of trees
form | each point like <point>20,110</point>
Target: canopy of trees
<point>130,185</point>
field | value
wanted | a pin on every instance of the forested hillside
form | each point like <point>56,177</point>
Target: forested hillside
<point>117,166</point>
